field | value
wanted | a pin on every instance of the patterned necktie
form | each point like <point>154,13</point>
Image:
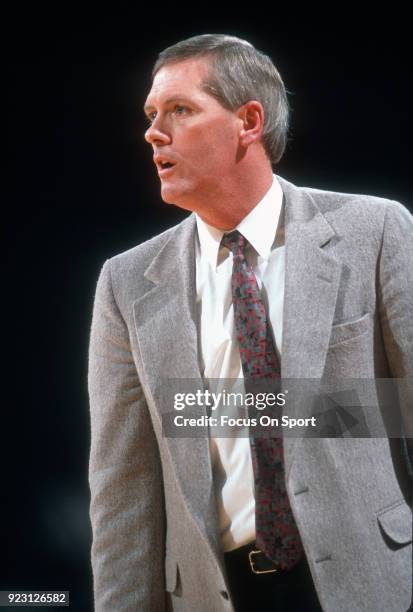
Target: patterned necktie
<point>276,532</point>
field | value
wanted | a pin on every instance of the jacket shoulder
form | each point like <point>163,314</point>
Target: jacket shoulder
<point>328,200</point>
<point>357,212</point>
<point>355,218</point>
<point>140,256</point>
<point>146,249</point>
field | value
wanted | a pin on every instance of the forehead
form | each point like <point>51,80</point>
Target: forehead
<point>177,80</point>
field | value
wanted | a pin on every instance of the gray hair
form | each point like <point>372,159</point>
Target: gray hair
<point>239,73</point>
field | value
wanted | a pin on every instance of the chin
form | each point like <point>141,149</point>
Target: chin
<point>168,197</point>
<point>175,198</point>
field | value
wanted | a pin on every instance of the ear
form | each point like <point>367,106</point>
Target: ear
<point>251,115</point>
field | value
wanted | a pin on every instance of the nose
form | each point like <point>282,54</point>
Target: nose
<point>156,134</point>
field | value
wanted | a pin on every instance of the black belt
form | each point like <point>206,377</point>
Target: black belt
<point>257,562</point>
<point>257,583</point>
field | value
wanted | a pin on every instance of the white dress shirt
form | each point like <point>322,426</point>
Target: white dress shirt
<point>231,457</point>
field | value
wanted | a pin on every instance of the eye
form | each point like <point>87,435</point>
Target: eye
<point>150,117</point>
<point>180,110</point>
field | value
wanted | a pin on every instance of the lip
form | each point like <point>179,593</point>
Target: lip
<point>165,171</point>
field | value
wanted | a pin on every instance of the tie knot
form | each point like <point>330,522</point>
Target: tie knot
<point>235,242</point>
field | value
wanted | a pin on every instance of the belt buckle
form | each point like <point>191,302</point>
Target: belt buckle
<point>257,571</point>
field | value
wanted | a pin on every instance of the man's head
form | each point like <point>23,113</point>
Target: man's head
<point>219,113</point>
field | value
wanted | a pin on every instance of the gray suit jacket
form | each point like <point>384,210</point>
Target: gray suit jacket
<point>347,313</point>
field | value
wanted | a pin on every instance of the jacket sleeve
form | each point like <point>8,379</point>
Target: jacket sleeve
<point>125,479</point>
<point>396,310</point>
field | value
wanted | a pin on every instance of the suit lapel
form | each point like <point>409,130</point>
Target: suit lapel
<point>312,278</point>
<point>166,325</point>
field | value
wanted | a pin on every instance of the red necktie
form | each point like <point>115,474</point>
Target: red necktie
<point>276,532</point>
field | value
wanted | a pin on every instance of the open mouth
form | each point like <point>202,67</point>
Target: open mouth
<point>165,168</point>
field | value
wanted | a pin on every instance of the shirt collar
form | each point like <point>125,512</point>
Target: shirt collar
<point>259,226</point>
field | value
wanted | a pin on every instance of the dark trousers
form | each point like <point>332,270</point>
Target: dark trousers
<point>282,591</point>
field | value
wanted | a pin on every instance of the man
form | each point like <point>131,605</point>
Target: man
<point>177,520</point>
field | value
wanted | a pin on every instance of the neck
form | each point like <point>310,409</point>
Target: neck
<point>237,201</point>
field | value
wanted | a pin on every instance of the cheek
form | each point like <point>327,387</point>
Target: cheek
<point>213,144</point>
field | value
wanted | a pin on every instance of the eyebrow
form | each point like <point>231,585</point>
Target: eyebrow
<point>177,98</point>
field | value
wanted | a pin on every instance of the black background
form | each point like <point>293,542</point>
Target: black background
<point>80,186</point>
